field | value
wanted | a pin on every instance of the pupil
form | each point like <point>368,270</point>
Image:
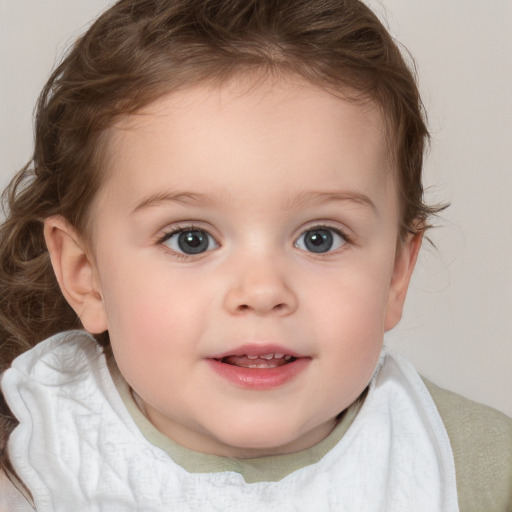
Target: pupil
<point>319,240</point>
<point>193,242</point>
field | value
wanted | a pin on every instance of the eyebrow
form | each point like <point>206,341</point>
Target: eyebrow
<point>314,197</point>
<point>180,197</point>
<point>299,201</point>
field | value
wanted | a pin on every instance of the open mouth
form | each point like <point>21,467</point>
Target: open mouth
<point>273,360</point>
<point>263,369</point>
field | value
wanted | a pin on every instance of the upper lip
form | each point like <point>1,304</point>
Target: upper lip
<point>257,350</point>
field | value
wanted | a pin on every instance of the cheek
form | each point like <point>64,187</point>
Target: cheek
<point>350,321</point>
<point>134,307</point>
<point>353,330</point>
<point>353,299</point>
<point>153,314</point>
<point>145,334</point>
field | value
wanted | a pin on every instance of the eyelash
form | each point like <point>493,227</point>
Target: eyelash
<point>178,229</point>
<point>318,227</point>
<point>181,229</point>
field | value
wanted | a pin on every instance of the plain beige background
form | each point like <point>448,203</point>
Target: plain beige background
<point>457,327</point>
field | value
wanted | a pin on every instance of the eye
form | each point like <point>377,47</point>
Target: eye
<point>320,240</point>
<point>189,241</point>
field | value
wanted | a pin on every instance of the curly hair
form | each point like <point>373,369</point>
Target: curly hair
<point>139,50</point>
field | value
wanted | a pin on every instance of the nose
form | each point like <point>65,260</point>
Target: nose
<point>259,287</point>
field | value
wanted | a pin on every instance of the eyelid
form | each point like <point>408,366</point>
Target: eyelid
<point>176,227</point>
<point>319,226</point>
<point>342,231</point>
<point>180,228</point>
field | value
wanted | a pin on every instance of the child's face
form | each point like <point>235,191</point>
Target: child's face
<point>238,223</point>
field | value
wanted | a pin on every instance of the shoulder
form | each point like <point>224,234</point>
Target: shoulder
<point>481,440</point>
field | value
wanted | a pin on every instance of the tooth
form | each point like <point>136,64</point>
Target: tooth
<point>252,357</point>
<point>267,356</point>
<point>278,356</point>
<point>287,358</point>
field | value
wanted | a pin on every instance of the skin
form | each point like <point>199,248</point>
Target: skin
<point>255,168</point>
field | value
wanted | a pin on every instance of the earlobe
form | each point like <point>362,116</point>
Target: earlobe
<point>76,273</point>
<point>405,261</point>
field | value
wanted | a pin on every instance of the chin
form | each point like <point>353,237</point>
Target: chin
<point>267,441</point>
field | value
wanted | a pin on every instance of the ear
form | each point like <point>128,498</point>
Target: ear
<point>76,273</point>
<point>405,260</point>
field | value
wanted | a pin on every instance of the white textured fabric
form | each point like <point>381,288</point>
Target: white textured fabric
<point>78,449</point>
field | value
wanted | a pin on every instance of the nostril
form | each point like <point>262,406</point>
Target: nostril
<point>277,307</point>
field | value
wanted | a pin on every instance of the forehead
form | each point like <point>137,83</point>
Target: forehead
<point>259,128</point>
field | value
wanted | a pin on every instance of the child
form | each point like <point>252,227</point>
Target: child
<point>226,195</point>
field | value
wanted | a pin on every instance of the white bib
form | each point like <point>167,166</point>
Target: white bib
<point>77,448</point>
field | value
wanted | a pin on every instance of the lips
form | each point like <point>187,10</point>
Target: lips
<point>259,367</point>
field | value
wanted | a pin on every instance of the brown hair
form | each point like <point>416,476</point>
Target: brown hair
<point>139,50</point>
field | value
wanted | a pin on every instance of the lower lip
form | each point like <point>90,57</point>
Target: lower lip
<point>259,378</point>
